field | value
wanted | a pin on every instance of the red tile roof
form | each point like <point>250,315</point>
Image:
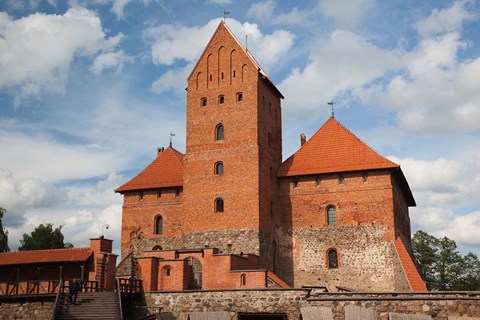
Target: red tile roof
<point>165,171</point>
<point>333,148</point>
<point>45,256</point>
<point>411,272</point>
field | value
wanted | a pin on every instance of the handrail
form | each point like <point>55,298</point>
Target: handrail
<point>119,293</point>
<point>59,290</point>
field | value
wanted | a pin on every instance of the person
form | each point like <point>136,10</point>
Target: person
<point>73,289</point>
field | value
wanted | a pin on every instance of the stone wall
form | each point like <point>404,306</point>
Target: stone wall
<point>439,306</point>
<point>26,308</point>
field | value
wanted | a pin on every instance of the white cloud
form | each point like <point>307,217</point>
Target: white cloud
<point>219,1</point>
<point>173,80</point>
<point>36,51</point>
<point>345,13</point>
<point>333,69</point>
<point>110,60</point>
<point>262,11</point>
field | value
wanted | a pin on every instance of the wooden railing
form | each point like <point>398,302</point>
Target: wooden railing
<point>130,286</point>
<point>36,287</point>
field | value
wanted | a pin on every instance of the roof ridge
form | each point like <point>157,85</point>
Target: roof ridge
<point>41,250</point>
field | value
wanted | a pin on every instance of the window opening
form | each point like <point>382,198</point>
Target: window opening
<point>295,182</point>
<point>222,75</point>
<point>365,177</point>
<point>234,73</point>
<point>211,77</point>
<point>159,225</point>
<point>177,193</point>
<point>203,102</point>
<point>219,205</point>
<point>140,195</point>
<point>239,97</point>
<point>331,215</point>
<point>221,99</point>
<point>157,248</point>
<point>317,181</point>
<point>332,259</point>
<point>243,279</point>
<point>341,179</point>
<point>219,168</point>
<point>220,132</point>
<point>159,194</point>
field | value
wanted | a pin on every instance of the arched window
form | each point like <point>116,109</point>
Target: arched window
<point>332,259</point>
<point>159,225</point>
<point>219,132</point>
<point>243,279</point>
<point>203,102</point>
<point>157,248</point>
<point>219,168</point>
<point>239,97</point>
<point>221,99</point>
<point>219,205</point>
<point>331,215</point>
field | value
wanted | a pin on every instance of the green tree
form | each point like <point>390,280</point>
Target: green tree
<point>44,237</point>
<point>442,266</point>
<point>425,249</point>
<point>3,233</point>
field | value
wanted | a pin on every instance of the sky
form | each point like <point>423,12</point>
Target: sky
<point>90,88</point>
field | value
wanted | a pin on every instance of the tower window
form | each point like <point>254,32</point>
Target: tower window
<point>234,73</point>
<point>219,168</point>
<point>140,195</point>
<point>222,75</point>
<point>365,177</point>
<point>159,194</point>
<point>219,205</point>
<point>157,248</point>
<point>159,225</point>
<point>211,77</point>
<point>219,132</point>
<point>239,97</point>
<point>203,102</point>
<point>332,259</point>
<point>317,181</point>
<point>221,99</point>
<point>341,179</point>
<point>295,182</point>
<point>331,215</point>
<point>243,279</point>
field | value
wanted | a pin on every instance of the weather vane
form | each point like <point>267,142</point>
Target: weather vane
<point>331,103</point>
<point>171,135</point>
<point>224,14</point>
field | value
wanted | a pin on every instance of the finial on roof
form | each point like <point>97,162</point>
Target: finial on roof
<point>331,103</point>
<point>171,135</point>
<point>224,14</point>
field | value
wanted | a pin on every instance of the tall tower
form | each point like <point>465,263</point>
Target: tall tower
<point>233,150</point>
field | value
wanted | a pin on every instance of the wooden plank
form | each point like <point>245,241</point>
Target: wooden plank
<point>400,316</point>
<point>353,312</point>
<point>316,313</point>
<point>219,315</point>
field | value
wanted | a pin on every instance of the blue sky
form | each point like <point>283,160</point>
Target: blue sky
<point>89,89</point>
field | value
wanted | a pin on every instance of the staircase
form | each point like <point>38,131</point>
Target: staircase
<point>90,305</point>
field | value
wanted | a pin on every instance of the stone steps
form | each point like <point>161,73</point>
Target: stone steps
<point>90,305</point>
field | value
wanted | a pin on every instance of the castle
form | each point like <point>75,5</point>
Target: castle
<point>230,214</point>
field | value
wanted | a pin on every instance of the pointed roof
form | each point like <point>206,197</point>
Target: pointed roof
<point>165,171</point>
<point>333,148</point>
<point>45,256</point>
<point>223,26</point>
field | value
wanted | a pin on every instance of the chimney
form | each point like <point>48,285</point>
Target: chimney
<point>303,139</point>
<point>160,150</point>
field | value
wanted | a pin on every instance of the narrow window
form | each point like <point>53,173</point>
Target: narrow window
<point>140,195</point>
<point>331,215</point>
<point>234,73</point>
<point>365,177</point>
<point>317,181</point>
<point>219,168</point>
<point>219,132</point>
<point>203,102</point>
<point>177,193</point>
<point>295,182</point>
<point>219,205</point>
<point>222,75</point>
<point>341,179</point>
<point>159,225</point>
<point>168,272</point>
<point>239,97</point>
<point>221,99</point>
<point>332,259</point>
<point>210,77</point>
<point>243,279</point>
<point>159,194</point>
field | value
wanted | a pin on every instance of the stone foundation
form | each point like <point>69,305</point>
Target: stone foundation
<point>26,308</point>
<point>437,305</point>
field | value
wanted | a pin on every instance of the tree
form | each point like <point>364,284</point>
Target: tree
<point>44,237</point>
<point>442,266</point>
<point>3,233</point>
